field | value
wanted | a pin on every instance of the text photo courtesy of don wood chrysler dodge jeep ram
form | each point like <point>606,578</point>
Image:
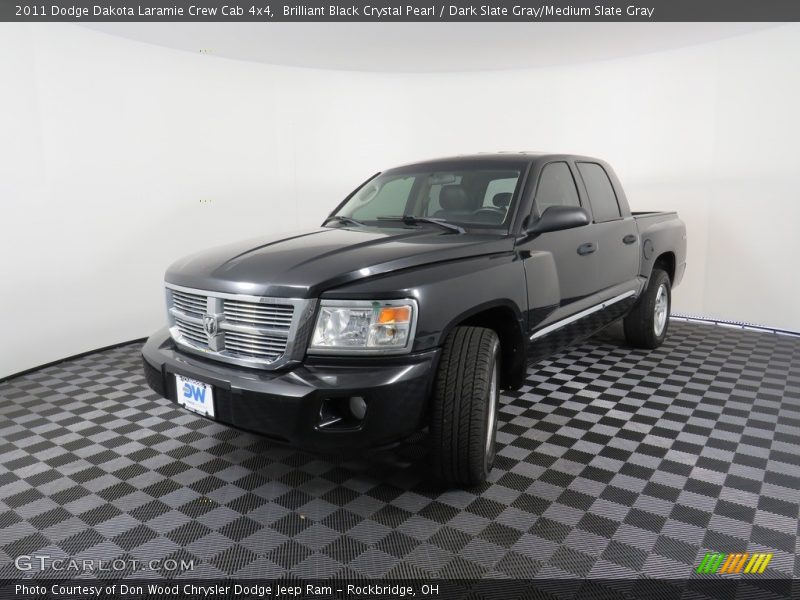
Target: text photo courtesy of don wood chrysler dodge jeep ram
<point>425,292</point>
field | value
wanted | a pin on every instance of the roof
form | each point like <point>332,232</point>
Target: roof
<point>487,156</point>
<point>500,157</point>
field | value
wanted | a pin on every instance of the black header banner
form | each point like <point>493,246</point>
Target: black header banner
<point>398,10</point>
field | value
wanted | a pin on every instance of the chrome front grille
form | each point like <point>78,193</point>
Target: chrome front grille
<point>192,331</point>
<point>240,329</point>
<point>245,344</point>
<point>191,304</point>
<point>273,316</point>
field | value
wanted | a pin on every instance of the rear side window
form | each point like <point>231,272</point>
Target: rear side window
<point>556,187</point>
<point>601,193</point>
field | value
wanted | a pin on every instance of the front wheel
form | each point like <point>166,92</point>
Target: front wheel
<point>465,402</point>
<point>646,325</point>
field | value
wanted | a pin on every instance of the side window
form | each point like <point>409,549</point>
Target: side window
<point>389,200</point>
<point>601,193</point>
<point>556,188</point>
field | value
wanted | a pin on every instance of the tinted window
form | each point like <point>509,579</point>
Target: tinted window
<point>556,187</point>
<point>433,197</point>
<point>388,199</point>
<point>499,186</point>
<point>476,197</point>
<point>601,192</point>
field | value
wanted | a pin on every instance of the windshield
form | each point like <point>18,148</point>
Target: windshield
<point>474,197</point>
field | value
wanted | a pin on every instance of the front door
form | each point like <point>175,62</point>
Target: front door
<point>568,257</point>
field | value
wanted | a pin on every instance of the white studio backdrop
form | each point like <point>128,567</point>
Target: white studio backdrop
<point>118,157</point>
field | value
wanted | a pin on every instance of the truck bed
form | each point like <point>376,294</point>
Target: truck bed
<point>660,232</point>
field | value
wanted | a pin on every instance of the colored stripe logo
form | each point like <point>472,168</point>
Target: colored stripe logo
<point>721,563</point>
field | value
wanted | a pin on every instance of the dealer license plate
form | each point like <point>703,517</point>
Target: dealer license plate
<point>195,395</point>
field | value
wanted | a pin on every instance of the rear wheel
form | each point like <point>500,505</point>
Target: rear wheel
<point>465,402</point>
<point>646,325</point>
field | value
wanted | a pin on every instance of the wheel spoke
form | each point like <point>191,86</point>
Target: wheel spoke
<point>660,310</point>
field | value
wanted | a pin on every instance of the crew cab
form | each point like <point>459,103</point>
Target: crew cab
<point>424,293</point>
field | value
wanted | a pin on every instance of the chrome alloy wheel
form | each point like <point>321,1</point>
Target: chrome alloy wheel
<point>660,310</point>
<point>494,401</point>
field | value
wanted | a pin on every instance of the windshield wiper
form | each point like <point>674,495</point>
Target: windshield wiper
<point>412,220</point>
<point>343,219</point>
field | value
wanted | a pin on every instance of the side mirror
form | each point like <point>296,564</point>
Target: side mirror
<point>556,218</point>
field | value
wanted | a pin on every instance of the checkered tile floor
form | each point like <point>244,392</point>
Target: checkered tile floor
<point>612,462</point>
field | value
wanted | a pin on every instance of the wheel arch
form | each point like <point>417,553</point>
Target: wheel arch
<point>666,261</point>
<point>502,317</point>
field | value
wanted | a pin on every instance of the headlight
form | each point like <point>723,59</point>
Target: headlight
<point>364,326</point>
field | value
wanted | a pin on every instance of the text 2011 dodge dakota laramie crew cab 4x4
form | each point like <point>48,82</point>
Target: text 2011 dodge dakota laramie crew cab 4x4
<point>428,289</point>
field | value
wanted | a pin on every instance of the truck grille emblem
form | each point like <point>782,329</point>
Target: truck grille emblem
<point>210,325</point>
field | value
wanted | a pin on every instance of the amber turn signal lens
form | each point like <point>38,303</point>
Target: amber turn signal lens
<point>395,314</point>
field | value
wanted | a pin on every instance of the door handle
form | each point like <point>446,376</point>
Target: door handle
<point>587,248</point>
<point>629,239</point>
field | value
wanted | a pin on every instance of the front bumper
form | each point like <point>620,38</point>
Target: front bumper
<point>286,405</point>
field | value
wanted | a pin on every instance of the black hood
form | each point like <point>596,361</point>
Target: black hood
<point>304,265</point>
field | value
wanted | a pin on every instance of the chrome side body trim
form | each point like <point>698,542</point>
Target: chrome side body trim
<point>577,316</point>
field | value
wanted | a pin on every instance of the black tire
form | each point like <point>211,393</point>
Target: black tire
<point>465,405</point>
<point>642,323</point>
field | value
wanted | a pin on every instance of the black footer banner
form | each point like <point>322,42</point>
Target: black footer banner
<point>711,587</point>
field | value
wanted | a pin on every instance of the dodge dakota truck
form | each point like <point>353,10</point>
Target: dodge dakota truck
<point>427,290</point>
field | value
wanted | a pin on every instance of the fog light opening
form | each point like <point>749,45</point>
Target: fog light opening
<point>342,413</point>
<point>358,407</point>
<point>328,414</point>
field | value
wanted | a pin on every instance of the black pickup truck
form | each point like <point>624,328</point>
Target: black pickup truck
<point>425,292</point>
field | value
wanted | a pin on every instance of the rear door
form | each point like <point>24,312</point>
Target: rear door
<point>615,230</point>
